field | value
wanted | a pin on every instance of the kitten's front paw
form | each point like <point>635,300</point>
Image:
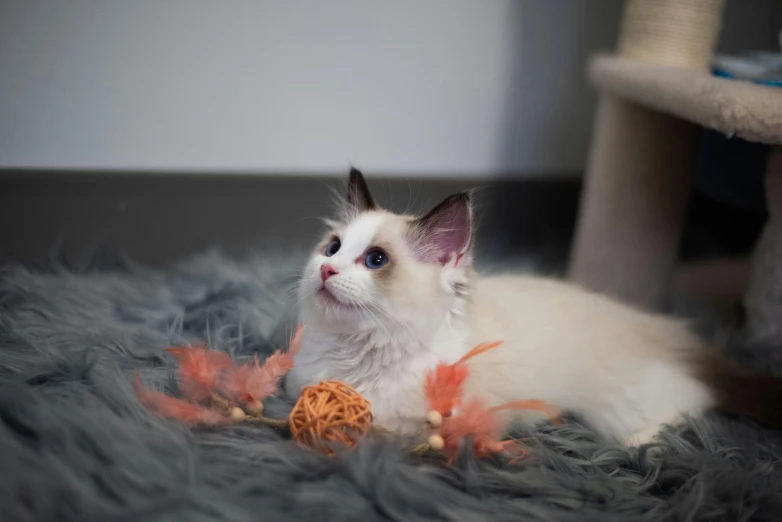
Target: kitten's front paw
<point>650,434</point>
<point>646,436</point>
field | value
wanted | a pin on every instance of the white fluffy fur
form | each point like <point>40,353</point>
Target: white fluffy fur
<point>626,372</point>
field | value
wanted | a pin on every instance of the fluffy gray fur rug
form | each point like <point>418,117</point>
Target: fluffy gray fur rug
<point>76,445</point>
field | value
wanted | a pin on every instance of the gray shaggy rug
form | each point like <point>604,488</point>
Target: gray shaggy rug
<point>75,444</point>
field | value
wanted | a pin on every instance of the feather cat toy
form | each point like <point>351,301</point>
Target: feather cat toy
<point>453,419</point>
<point>215,392</point>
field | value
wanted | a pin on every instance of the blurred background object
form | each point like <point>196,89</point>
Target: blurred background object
<point>163,128</point>
<point>656,92</point>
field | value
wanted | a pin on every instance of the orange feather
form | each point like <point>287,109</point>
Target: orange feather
<point>479,350</point>
<point>256,381</point>
<point>293,347</point>
<point>187,413</point>
<point>477,421</point>
<point>443,385</point>
<point>201,370</point>
<point>482,423</point>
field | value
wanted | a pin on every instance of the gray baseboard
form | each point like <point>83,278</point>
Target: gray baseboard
<point>158,218</point>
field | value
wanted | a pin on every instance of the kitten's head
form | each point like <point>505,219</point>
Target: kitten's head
<point>376,269</point>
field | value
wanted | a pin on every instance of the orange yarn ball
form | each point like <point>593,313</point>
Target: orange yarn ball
<point>330,412</point>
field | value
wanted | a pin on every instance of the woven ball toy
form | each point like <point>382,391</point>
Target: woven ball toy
<point>330,412</point>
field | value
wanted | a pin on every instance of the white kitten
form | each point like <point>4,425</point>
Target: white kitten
<point>386,297</point>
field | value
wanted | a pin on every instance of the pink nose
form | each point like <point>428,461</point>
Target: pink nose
<point>327,271</point>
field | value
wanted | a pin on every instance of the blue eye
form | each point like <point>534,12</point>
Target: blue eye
<point>333,247</point>
<point>375,259</point>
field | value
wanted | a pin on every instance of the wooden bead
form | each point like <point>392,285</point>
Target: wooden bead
<point>255,407</point>
<point>436,442</point>
<point>237,414</point>
<point>434,419</point>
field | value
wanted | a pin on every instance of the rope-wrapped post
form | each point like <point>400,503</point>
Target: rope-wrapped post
<point>641,161</point>
<point>681,33</point>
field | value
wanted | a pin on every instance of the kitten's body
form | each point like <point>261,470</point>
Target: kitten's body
<point>626,372</point>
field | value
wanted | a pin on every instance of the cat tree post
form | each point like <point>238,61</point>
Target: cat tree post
<point>641,161</point>
<point>763,299</point>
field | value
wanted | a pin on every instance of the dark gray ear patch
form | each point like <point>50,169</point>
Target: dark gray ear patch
<point>359,197</point>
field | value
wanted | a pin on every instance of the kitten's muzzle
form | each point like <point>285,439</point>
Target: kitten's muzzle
<point>327,271</point>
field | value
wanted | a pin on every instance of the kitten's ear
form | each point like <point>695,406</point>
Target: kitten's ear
<point>445,232</point>
<point>359,197</point>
